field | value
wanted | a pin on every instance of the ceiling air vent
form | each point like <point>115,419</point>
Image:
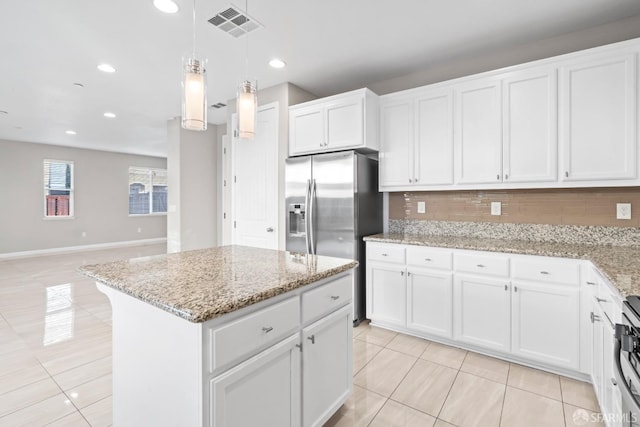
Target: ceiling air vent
<point>218,105</point>
<point>235,22</point>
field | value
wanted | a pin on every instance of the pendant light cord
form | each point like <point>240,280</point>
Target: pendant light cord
<point>194,29</point>
<point>246,11</point>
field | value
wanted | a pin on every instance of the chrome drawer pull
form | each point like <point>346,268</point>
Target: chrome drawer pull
<point>544,272</point>
<point>591,283</point>
<point>267,329</point>
<point>481,265</point>
<point>600,299</point>
<point>506,287</point>
<point>335,297</point>
<point>428,259</point>
<point>312,338</point>
<point>385,254</point>
<point>614,382</point>
<point>515,289</point>
<point>408,273</point>
<point>594,317</point>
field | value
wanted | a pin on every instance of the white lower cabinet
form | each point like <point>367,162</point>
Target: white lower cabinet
<point>263,391</point>
<point>326,371</point>
<point>386,293</point>
<point>545,323</point>
<point>482,311</point>
<point>430,302</point>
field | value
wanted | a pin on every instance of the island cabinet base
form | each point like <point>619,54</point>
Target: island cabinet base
<point>285,361</point>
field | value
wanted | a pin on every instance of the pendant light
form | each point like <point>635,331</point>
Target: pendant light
<point>247,99</point>
<point>194,88</point>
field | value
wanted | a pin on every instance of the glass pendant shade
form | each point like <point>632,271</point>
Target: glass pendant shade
<point>247,109</point>
<point>194,95</point>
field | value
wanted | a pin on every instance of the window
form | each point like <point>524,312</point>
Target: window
<point>58,188</point>
<point>147,191</point>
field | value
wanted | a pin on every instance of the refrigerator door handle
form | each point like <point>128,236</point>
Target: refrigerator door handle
<point>307,197</point>
<point>312,239</point>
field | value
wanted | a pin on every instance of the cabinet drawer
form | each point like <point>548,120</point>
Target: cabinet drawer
<point>387,253</point>
<point>326,298</point>
<point>495,265</point>
<point>429,257</point>
<point>546,270</point>
<point>244,337</point>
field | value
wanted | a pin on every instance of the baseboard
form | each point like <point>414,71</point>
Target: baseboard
<point>72,249</point>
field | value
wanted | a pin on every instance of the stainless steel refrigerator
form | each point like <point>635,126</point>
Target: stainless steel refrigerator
<point>332,201</point>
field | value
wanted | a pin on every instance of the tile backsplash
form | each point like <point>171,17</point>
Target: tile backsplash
<point>581,206</point>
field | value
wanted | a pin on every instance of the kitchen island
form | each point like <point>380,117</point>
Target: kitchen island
<point>229,336</point>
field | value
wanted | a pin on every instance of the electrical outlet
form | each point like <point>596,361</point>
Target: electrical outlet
<point>496,208</point>
<point>623,210</point>
<point>422,207</point>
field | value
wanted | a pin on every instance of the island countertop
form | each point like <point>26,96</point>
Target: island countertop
<point>204,284</point>
<point>620,264</point>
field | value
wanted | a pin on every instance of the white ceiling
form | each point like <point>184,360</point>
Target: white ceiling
<point>330,46</point>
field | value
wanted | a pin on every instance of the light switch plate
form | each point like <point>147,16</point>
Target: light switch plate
<point>623,210</point>
<point>422,208</point>
<point>496,208</point>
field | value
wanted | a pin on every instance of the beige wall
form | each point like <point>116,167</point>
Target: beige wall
<point>101,199</point>
<point>583,206</point>
<point>192,163</point>
<point>624,29</point>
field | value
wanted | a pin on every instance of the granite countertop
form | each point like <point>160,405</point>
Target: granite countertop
<point>204,284</point>
<point>620,264</point>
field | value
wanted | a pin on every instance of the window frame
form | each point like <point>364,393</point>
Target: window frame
<point>150,171</point>
<point>71,192</point>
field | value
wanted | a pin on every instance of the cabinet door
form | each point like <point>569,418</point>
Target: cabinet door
<point>598,116</point>
<point>396,145</point>
<point>546,323</point>
<point>263,391</point>
<point>612,399</point>
<point>386,293</point>
<point>434,138</point>
<point>326,366</point>
<point>345,123</point>
<point>306,134</point>
<point>478,135</point>
<point>482,311</point>
<point>430,302</point>
<point>530,146</point>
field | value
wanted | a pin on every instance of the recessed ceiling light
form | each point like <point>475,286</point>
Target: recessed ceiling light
<point>277,63</point>
<point>166,6</point>
<point>106,68</point>
<point>70,132</point>
<point>110,115</point>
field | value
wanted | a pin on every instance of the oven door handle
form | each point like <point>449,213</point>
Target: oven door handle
<point>627,394</point>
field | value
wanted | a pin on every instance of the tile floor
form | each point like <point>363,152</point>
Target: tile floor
<point>55,364</point>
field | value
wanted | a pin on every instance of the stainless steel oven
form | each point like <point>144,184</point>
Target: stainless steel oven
<point>627,361</point>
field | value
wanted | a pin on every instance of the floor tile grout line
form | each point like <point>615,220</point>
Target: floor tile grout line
<point>504,396</point>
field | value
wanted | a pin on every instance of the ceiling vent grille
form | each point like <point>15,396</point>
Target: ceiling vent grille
<point>232,20</point>
<point>218,105</point>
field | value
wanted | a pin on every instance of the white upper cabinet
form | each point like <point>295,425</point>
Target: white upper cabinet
<point>598,117</point>
<point>478,137</point>
<point>396,145</point>
<point>530,145</point>
<point>567,121</point>
<point>340,122</point>
<point>433,155</point>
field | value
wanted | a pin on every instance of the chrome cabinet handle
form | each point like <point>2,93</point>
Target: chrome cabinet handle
<point>428,259</point>
<point>566,174</point>
<point>506,287</point>
<point>600,299</point>
<point>515,289</point>
<point>481,266</point>
<point>408,273</point>
<point>312,338</point>
<point>267,329</point>
<point>544,272</point>
<point>385,254</point>
<point>402,273</point>
<point>335,297</point>
<point>591,283</point>
<point>322,144</point>
<point>498,177</point>
<point>614,382</point>
<point>506,176</point>
<point>594,317</point>
<point>269,229</point>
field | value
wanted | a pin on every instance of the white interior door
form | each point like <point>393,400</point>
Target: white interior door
<point>255,183</point>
